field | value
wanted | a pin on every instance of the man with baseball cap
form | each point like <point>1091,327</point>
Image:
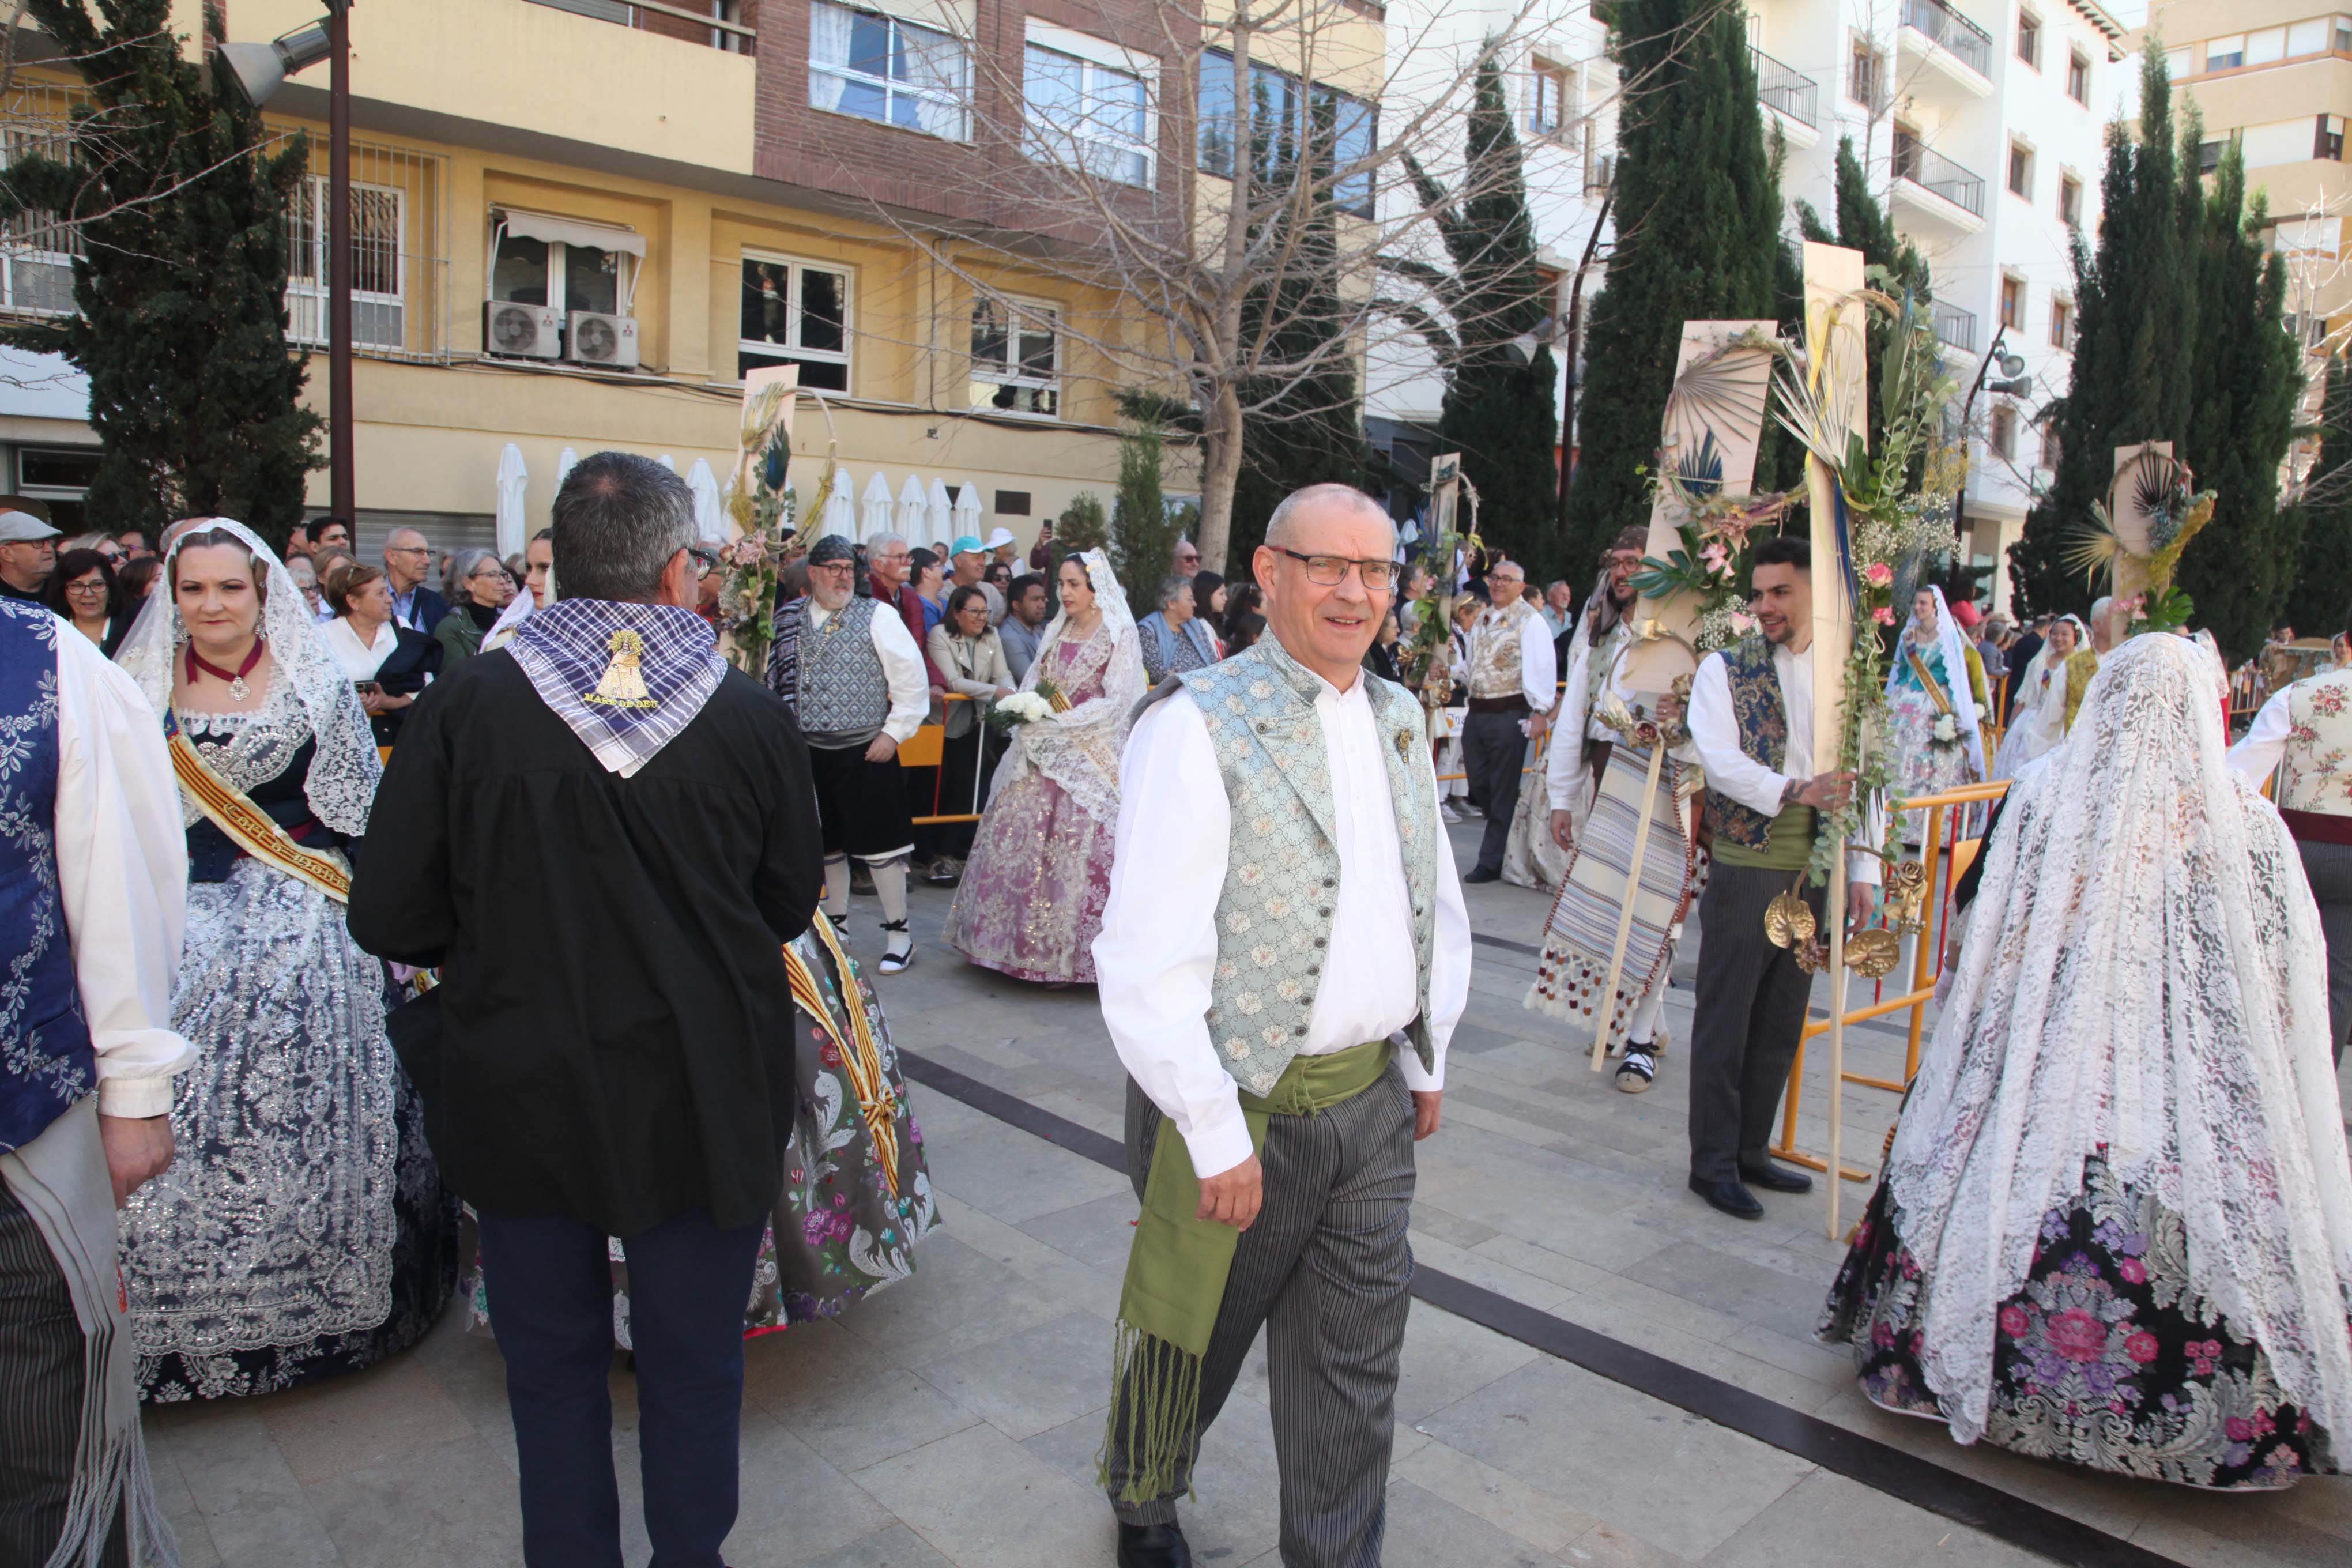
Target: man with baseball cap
<point>29,553</point>
<point>967,559</point>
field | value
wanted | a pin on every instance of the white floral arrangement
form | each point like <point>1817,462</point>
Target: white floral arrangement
<point>1021,708</point>
<point>1946,731</point>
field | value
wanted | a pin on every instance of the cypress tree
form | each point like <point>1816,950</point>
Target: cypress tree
<point>1143,537</point>
<point>2135,326</point>
<point>180,291</point>
<point>2319,596</point>
<point>1698,214</point>
<point>1498,413</point>
<point>2248,379</point>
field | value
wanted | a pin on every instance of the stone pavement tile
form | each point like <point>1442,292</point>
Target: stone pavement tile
<point>957,1298</point>
<point>1075,1283</point>
<point>794,1505</point>
<point>1235,1514</point>
<point>1448,1358</point>
<point>897,1547</point>
<point>1015,1176</point>
<point>178,1506</point>
<point>1527,1512</point>
<point>1096,1234</point>
<point>854,1402</point>
<point>1082,1103</point>
<point>981,1500</point>
<point>1716,1360</point>
<point>1807,1357</point>
<point>1828,1519</point>
<point>252,1506</point>
<point>1424,1527</point>
<point>452,1504</point>
<point>474,1377</point>
<point>1481,1269</point>
<point>1527,1257</point>
<point>361,1420</point>
<point>1608,1546</point>
<point>1466,1111</point>
<point>2309,1523</point>
<point>2194,1548</point>
<point>1565,1432</point>
<point>1764,1296</point>
<point>1032,1381</point>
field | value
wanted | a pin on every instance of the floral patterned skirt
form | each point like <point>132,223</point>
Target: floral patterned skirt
<point>2102,1359</point>
<point>1033,890</point>
<point>1925,764</point>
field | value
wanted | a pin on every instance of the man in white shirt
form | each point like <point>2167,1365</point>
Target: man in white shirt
<point>1512,676</point>
<point>93,897</point>
<point>857,682</point>
<point>1751,721</point>
<point>1280,979</point>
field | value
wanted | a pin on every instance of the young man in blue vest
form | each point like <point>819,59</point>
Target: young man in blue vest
<point>1751,720</point>
<point>1283,958</point>
<point>93,899</point>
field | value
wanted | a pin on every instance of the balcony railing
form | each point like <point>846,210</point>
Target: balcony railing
<point>714,22</point>
<point>1932,171</point>
<point>1780,87</point>
<point>1957,328</point>
<point>1947,26</point>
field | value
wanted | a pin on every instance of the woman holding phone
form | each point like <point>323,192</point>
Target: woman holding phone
<point>388,663</point>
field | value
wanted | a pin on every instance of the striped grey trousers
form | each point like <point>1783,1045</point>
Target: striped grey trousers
<point>41,1371</point>
<point>1749,1014</point>
<point>1327,1270</point>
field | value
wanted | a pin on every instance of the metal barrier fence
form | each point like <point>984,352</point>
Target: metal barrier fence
<point>927,748</point>
<point>1949,812</point>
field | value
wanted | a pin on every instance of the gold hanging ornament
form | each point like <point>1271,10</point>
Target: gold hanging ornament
<point>1788,919</point>
<point>1873,953</point>
<point>1906,897</point>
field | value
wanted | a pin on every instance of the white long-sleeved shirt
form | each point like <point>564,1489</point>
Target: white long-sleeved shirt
<point>2258,754</point>
<point>123,876</point>
<point>902,667</point>
<point>1564,770</point>
<point>1736,775</point>
<point>1157,954</point>
<point>1538,661</point>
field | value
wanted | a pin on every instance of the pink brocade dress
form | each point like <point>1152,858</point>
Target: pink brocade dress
<point>1033,892</point>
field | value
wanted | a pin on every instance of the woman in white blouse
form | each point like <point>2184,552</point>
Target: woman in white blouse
<point>389,663</point>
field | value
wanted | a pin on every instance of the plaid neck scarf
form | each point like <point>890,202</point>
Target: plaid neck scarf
<point>626,677</point>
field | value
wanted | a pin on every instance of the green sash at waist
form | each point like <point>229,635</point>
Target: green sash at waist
<point>1787,846</point>
<point>1178,1263</point>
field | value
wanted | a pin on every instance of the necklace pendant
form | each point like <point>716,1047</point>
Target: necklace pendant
<point>238,691</point>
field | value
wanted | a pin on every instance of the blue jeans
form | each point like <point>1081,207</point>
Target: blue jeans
<point>553,1314</point>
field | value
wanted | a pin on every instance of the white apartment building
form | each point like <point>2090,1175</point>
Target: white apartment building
<point>1561,86</point>
<point>1982,124</point>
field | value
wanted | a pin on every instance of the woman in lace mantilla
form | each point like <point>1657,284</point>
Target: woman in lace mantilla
<point>1033,890</point>
<point>303,1231</point>
<point>2116,1223</point>
<point>1934,701</point>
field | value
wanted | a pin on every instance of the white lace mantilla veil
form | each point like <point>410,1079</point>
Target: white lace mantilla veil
<point>1079,750</point>
<point>2143,977</point>
<point>346,768</point>
<point>1955,675</point>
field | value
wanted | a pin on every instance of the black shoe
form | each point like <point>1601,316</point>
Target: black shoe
<point>1776,1178</point>
<point>1728,1196</point>
<point>1480,874</point>
<point>1152,1546</point>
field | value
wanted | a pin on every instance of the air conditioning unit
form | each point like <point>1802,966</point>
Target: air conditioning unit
<point>603,339</point>
<point>527,331</point>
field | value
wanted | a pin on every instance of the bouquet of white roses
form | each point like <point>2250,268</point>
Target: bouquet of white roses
<point>1021,708</point>
<point>1946,730</point>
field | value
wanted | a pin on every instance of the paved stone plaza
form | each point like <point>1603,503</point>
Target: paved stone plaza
<point>954,1418</point>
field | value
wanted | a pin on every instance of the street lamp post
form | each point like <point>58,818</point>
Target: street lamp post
<point>256,71</point>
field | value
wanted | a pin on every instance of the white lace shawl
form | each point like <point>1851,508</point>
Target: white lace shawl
<point>2143,977</point>
<point>1079,750</point>
<point>345,769</point>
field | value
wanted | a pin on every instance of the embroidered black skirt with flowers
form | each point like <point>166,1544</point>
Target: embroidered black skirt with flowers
<point>2102,1359</point>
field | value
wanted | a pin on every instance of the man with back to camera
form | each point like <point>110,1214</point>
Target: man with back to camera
<point>624,1068</point>
<point>1752,720</point>
<point>1283,959</point>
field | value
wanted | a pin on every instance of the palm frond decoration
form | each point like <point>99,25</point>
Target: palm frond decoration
<point>1700,473</point>
<point>2092,547</point>
<point>1720,390</point>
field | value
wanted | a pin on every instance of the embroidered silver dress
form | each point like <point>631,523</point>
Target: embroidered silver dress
<point>301,1230</point>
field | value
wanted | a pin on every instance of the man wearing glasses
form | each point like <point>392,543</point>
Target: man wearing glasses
<point>1510,676</point>
<point>407,558</point>
<point>1280,975</point>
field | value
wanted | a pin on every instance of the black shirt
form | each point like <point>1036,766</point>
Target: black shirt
<point>616,1042</point>
<point>10,591</point>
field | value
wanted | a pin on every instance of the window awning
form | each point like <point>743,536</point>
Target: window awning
<point>573,231</point>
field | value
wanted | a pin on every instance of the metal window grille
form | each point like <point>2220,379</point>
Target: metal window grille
<point>400,266</point>
<point>38,247</point>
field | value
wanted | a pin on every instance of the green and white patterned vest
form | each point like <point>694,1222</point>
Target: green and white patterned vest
<point>1282,867</point>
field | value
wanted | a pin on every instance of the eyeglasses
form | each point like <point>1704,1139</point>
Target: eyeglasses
<point>94,586</point>
<point>833,565</point>
<point>1330,571</point>
<point>495,574</point>
<point>408,550</point>
<point>706,560</point>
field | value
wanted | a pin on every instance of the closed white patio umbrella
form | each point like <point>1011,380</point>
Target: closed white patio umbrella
<point>941,508</point>
<point>666,461</point>
<point>967,510</point>
<point>841,508</point>
<point>514,482</point>
<point>564,463</point>
<point>913,513</point>
<point>709,520</point>
<point>877,505</point>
